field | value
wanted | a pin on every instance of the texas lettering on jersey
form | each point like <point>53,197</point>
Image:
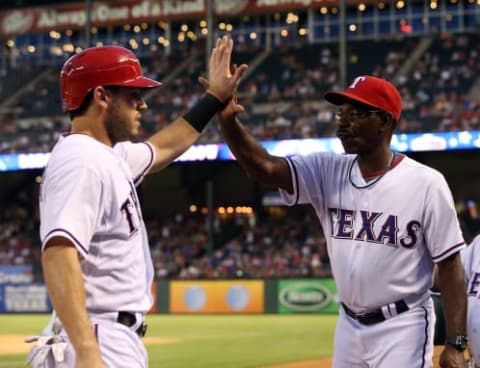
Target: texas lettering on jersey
<point>473,285</point>
<point>360,225</point>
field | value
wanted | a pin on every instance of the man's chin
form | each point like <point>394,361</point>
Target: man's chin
<point>349,148</point>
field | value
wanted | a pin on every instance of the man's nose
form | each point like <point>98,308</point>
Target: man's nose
<point>142,105</point>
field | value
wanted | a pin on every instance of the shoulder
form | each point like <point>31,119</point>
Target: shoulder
<point>427,173</point>
<point>323,158</point>
<point>79,151</point>
<point>125,149</point>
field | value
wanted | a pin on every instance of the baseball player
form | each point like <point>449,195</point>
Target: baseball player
<point>387,218</point>
<point>471,263</point>
<point>96,258</point>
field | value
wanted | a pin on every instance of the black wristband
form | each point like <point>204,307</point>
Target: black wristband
<point>200,114</point>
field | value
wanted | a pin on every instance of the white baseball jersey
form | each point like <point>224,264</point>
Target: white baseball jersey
<point>471,264</point>
<point>88,196</point>
<point>382,239</point>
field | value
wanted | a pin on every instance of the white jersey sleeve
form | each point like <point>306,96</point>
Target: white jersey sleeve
<point>138,156</point>
<point>308,173</point>
<point>443,235</point>
<point>70,199</point>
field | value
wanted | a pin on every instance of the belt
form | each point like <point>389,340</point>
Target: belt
<point>128,319</point>
<point>376,316</point>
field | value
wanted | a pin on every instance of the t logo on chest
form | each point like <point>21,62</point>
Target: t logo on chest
<point>374,227</point>
<point>131,209</point>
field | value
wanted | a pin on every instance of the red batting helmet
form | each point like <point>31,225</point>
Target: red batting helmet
<point>100,66</point>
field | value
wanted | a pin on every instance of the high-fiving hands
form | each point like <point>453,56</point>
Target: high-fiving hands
<point>222,79</point>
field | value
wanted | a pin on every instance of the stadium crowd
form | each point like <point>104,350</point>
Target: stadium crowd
<point>283,101</point>
<point>283,94</point>
<point>285,242</point>
<point>242,246</point>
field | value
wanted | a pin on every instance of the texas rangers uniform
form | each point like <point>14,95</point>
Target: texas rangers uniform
<point>471,264</point>
<point>88,196</point>
<point>383,238</point>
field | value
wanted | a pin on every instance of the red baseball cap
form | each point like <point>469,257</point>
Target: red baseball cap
<point>371,91</point>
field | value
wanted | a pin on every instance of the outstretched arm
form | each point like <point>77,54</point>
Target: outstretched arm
<point>176,138</point>
<point>254,159</point>
<point>454,301</point>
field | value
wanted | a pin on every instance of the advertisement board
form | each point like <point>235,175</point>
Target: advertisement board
<point>307,296</point>
<point>30,298</point>
<point>16,274</point>
<point>217,297</point>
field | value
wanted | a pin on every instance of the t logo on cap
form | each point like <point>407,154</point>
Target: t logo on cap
<point>370,91</point>
<point>357,80</point>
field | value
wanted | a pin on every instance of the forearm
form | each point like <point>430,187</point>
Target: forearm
<point>172,141</point>
<point>453,295</point>
<point>254,159</point>
<point>64,281</point>
<point>176,138</point>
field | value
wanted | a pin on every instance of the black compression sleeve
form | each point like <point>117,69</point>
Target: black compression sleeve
<point>201,113</point>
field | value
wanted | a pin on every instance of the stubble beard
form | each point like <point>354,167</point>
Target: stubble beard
<point>118,126</point>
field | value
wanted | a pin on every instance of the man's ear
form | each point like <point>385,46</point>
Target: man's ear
<point>101,97</point>
<point>388,122</point>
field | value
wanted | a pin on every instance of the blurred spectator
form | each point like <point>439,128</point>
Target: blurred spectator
<point>283,94</point>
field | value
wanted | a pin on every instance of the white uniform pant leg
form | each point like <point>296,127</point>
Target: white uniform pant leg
<point>348,351</point>
<point>404,341</point>
<point>120,346</point>
<point>473,328</point>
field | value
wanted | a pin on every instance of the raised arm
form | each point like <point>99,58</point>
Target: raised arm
<point>176,138</point>
<point>254,159</point>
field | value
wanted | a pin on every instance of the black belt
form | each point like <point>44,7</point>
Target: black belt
<point>375,316</point>
<point>128,319</point>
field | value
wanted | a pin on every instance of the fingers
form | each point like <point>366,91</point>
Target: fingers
<point>228,52</point>
<point>239,72</point>
<point>217,53</point>
<point>204,82</point>
<point>223,78</point>
<point>238,108</point>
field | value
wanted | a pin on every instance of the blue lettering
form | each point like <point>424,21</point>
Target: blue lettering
<point>367,226</point>
<point>473,284</point>
<point>345,224</point>
<point>130,208</point>
<point>389,231</point>
<point>333,212</point>
<point>410,240</point>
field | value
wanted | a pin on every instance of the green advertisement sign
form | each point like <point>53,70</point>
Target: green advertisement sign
<point>307,296</point>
